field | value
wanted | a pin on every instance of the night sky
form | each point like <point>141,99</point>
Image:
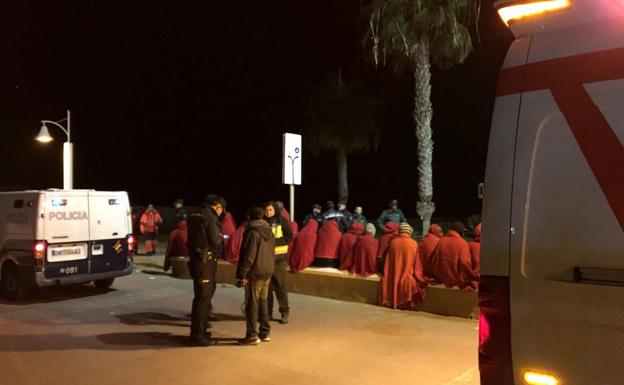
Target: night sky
<point>182,99</point>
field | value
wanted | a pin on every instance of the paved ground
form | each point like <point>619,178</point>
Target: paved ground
<point>136,332</point>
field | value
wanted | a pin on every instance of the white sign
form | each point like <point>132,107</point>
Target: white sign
<point>291,169</point>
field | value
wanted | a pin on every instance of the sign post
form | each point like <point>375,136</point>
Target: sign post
<point>291,166</point>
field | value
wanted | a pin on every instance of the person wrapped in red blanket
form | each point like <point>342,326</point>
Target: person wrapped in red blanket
<point>365,253</point>
<point>475,250</point>
<point>402,285</point>
<point>232,247</point>
<point>176,247</point>
<point>451,262</point>
<point>390,231</point>
<point>427,246</point>
<point>345,250</point>
<point>327,244</point>
<point>302,252</point>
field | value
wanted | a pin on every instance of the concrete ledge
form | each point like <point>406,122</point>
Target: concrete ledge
<point>336,284</point>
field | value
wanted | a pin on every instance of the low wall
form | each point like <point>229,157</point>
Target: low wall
<point>335,284</point>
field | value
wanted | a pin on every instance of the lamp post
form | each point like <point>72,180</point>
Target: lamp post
<point>68,149</point>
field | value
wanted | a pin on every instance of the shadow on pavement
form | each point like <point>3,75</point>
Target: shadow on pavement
<point>139,340</point>
<point>107,341</point>
<point>150,318</point>
<point>154,339</point>
<point>155,272</point>
<point>59,293</point>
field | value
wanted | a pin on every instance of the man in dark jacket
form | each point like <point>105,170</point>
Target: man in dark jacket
<point>179,211</point>
<point>205,245</point>
<point>347,217</point>
<point>332,214</point>
<point>315,214</point>
<point>393,213</point>
<point>254,270</point>
<point>358,215</point>
<point>283,236</point>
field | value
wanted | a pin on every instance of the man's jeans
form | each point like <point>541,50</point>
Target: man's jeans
<point>256,308</point>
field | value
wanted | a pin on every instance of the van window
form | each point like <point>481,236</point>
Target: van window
<point>56,202</point>
<point>114,202</point>
<point>18,204</point>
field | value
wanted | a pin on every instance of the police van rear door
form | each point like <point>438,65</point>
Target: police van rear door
<point>108,226</point>
<point>66,230</point>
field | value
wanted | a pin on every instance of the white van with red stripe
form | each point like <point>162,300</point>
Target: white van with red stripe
<point>54,237</point>
<point>552,286</point>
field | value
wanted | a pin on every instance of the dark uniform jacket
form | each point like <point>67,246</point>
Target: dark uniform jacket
<point>316,217</point>
<point>204,232</point>
<point>257,257</point>
<point>337,216</point>
<point>359,218</point>
<point>391,215</point>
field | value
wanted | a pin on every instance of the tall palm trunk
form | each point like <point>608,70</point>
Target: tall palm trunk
<point>422,118</point>
<point>343,189</point>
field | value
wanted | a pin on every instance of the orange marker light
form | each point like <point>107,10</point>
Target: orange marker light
<point>524,9</point>
<point>535,378</point>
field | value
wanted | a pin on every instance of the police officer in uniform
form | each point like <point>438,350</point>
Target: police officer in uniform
<point>205,245</point>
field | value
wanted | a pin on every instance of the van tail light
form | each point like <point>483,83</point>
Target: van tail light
<point>531,8</point>
<point>40,249</point>
<point>495,331</point>
<point>132,244</point>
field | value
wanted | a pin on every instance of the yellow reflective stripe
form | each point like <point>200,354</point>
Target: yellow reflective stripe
<point>277,231</point>
<point>281,249</point>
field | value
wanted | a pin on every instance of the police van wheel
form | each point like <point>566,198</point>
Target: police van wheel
<point>10,285</point>
<point>103,283</point>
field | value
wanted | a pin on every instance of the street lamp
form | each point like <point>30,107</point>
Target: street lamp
<point>68,150</point>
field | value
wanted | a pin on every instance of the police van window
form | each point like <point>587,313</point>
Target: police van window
<point>18,204</point>
<point>56,202</point>
<point>113,202</point>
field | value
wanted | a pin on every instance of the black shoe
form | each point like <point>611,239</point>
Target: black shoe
<point>203,341</point>
<point>249,341</point>
<point>284,319</point>
<point>265,337</point>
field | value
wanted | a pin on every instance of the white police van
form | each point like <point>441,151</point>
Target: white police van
<point>55,237</point>
<point>552,249</point>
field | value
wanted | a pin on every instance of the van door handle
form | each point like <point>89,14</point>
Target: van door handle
<point>115,233</point>
<point>599,276</point>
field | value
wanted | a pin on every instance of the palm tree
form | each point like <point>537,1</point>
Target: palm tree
<point>340,120</point>
<point>418,33</point>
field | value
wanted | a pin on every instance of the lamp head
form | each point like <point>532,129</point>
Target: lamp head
<point>44,136</point>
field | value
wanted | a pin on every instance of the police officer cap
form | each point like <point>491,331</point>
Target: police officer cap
<point>179,200</point>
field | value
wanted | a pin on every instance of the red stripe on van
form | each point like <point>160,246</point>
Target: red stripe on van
<point>565,78</point>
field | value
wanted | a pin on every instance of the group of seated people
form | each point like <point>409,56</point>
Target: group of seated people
<point>406,267</point>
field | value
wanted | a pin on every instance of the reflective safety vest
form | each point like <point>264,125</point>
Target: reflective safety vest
<point>278,233</point>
